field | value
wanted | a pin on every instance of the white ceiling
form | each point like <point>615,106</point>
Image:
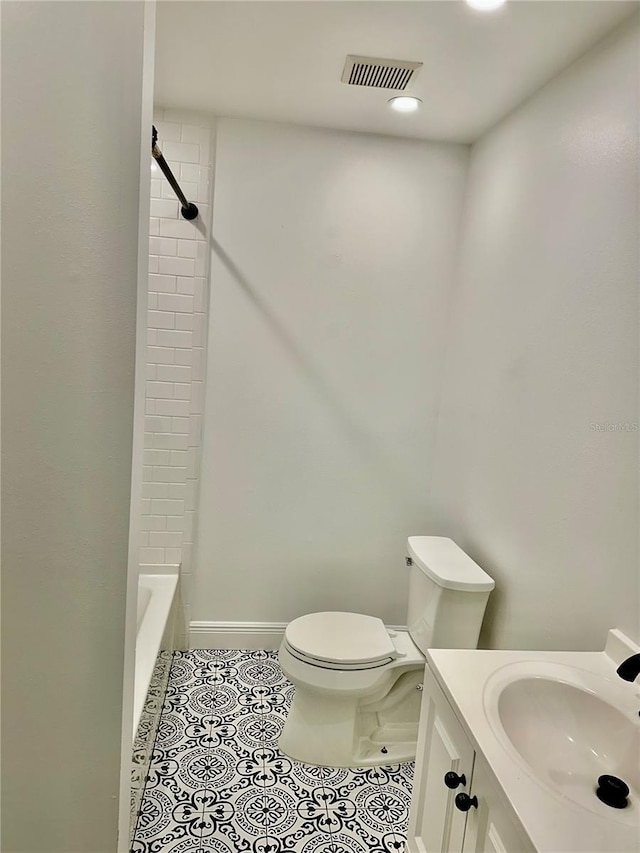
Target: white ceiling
<point>283,60</point>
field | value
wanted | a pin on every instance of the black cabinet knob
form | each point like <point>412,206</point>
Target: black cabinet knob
<point>452,780</point>
<point>464,802</point>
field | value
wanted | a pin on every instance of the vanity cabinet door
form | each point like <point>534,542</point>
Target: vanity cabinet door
<point>492,827</point>
<point>435,824</point>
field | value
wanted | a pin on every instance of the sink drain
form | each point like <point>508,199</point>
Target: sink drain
<point>613,792</point>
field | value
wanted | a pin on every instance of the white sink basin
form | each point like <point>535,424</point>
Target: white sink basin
<point>568,727</point>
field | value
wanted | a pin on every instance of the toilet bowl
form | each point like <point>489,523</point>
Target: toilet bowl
<point>357,684</point>
<point>360,710</point>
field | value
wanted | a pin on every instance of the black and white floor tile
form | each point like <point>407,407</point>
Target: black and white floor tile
<point>146,732</point>
<point>217,782</point>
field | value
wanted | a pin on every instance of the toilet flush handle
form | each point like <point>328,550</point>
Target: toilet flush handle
<point>408,561</point>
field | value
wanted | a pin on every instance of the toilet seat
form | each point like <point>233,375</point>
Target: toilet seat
<point>337,640</point>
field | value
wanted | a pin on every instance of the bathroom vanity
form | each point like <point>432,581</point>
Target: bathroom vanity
<point>511,746</point>
<point>443,815</point>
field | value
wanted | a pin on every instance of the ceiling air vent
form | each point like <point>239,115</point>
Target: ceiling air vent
<point>379,73</point>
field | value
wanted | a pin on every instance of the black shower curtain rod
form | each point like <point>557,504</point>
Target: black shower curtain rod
<point>188,210</point>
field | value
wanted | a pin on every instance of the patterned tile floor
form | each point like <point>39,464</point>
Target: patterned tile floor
<point>218,784</point>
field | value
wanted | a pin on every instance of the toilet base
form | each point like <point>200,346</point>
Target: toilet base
<point>345,731</point>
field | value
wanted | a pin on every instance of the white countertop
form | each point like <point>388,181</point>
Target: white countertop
<point>554,823</point>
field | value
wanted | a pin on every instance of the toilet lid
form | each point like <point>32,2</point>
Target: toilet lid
<point>341,638</point>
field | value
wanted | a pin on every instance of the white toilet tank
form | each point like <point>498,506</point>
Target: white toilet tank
<point>448,594</point>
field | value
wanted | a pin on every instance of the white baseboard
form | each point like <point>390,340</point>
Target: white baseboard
<point>236,635</point>
<point>242,635</point>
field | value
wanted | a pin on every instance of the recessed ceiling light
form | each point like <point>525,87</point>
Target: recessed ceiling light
<point>405,104</point>
<point>485,5</point>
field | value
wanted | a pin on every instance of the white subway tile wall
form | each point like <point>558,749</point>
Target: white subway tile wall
<point>176,324</point>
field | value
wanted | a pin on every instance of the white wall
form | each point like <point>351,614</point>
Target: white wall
<point>332,258</point>
<point>70,184</point>
<point>542,354</point>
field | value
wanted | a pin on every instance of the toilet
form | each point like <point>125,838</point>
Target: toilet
<point>357,684</point>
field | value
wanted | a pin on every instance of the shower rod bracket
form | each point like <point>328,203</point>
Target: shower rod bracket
<point>188,209</point>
